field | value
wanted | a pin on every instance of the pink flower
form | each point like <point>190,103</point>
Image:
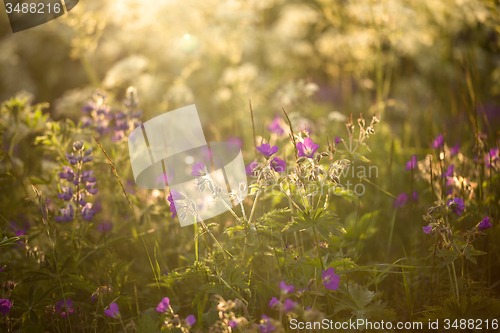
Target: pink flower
<point>113,311</point>
<point>307,148</point>
<point>330,279</point>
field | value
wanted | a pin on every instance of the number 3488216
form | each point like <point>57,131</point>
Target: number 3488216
<point>40,8</point>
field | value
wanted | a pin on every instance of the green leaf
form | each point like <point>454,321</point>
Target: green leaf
<point>146,324</point>
<point>34,318</point>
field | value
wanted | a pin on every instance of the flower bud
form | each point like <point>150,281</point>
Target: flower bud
<point>78,145</point>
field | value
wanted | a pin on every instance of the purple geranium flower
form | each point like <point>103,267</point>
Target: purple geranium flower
<point>233,323</point>
<point>290,305</point>
<point>278,165</point>
<point>330,279</point>
<point>275,126</point>
<point>64,307</point>
<point>427,229</point>
<point>5,306</point>
<point>164,305</point>
<point>266,326</point>
<point>438,141</point>
<point>199,169</point>
<point>190,320</point>
<point>449,171</point>
<point>492,157</point>
<point>307,148</point>
<point>174,195</point>
<point>249,168</point>
<point>401,200</point>
<point>412,163</point>
<point>454,150</point>
<point>273,302</point>
<point>287,289</point>
<point>338,140</point>
<point>267,150</point>
<point>236,141</point>
<point>113,311</point>
<point>457,205</point>
<point>484,224</point>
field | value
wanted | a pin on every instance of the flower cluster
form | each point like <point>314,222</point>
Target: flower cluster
<point>81,183</point>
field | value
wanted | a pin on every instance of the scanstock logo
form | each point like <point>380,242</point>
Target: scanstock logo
<point>171,150</point>
<point>25,14</point>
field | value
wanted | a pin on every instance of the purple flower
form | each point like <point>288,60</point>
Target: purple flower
<point>412,163</point>
<point>68,173</point>
<point>415,195</point>
<point>90,188</point>
<point>449,171</point>
<point>164,305</point>
<point>401,200</point>
<point>267,150</point>
<point>266,326</point>
<point>2,269</point>
<point>438,141</point>
<point>457,205</point>
<point>5,306</point>
<point>67,193</point>
<point>273,302</point>
<point>278,165</point>
<point>173,196</point>
<point>21,233</point>
<point>67,216</point>
<point>249,168</point>
<point>64,307</point>
<point>307,148</point>
<point>118,136</point>
<point>427,229</point>
<point>492,157</point>
<point>233,323</point>
<point>290,305</point>
<point>105,226</point>
<point>454,150</point>
<point>190,320</point>
<point>338,140</point>
<point>236,141</point>
<point>113,311</point>
<point>72,159</point>
<point>86,176</point>
<point>330,279</point>
<point>89,107</point>
<point>87,212</point>
<point>121,125</point>
<point>484,224</point>
<point>286,289</point>
<point>199,169</point>
<point>275,126</point>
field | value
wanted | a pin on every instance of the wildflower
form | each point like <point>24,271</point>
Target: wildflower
<point>275,126</point>
<point>484,224</point>
<point>401,200</point>
<point>90,106</point>
<point>174,195</point>
<point>454,150</point>
<point>233,323</point>
<point>86,176</point>
<point>118,136</point>
<point>330,279</point>
<point>250,167</point>
<point>87,212</point>
<point>438,141</point>
<point>449,171</point>
<point>68,173</point>
<point>427,229</point>
<point>412,163</point>
<point>290,305</point>
<point>21,233</point>
<point>274,301</point>
<point>307,148</point>
<point>338,140</point>
<point>5,306</point>
<point>63,306</point>
<point>266,326</point>
<point>286,289</point>
<point>2,269</point>
<point>105,226</point>
<point>457,205</point>
<point>67,193</point>
<point>492,157</point>
<point>236,141</point>
<point>113,311</point>
<point>164,305</point>
<point>90,188</point>
<point>72,159</point>
<point>278,165</point>
<point>67,216</point>
<point>199,169</point>
<point>267,150</point>
<point>190,320</point>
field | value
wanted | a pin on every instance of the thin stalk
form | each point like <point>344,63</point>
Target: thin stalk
<point>456,281</point>
<point>253,207</point>
<point>317,248</point>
